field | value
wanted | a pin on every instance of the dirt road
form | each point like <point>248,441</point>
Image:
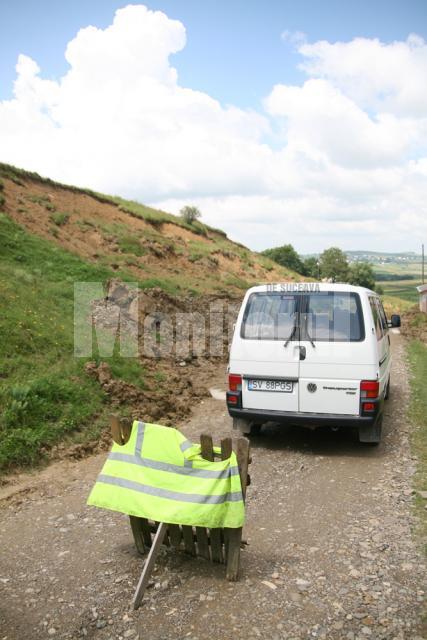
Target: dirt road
<point>329,553</point>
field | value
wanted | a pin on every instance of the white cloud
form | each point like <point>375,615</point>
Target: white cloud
<point>384,77</point>
<point>336,160</point>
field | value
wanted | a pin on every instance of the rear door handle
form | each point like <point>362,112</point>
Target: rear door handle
<point>302,353</point>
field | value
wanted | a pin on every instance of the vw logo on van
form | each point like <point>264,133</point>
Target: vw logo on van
<point>312,387</point>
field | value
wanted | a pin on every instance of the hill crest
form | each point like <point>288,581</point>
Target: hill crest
<point>153,247</point>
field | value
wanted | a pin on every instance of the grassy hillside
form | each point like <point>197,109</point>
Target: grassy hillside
<point>52,235</point>
<point>44,392</point>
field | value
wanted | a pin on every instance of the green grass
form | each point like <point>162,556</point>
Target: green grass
<point>45,394</point>
<point>59,218</point>
<point>156,217</point>
<point>131,244</point>
<point>43,201</point>
<point>239,283</point>
<point>417,353</point>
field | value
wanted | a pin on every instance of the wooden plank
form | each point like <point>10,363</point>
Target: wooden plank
<point>126,426</point>
<point>146,531</point>
<point>207,447</point>
<point>243,455</point>
<point>226,451</point>
<point>187,534</point>
<point>116,429</point>
<point>137,534</point>
<point>166,540</point>
<point>153,528</point>
<point>120,429</point>
<point>216,545</point>
<point>233,553</point>
<point>203,543</point>
<point>175,534</point>
<point>225,540</point>
<point>215,534</point>
<point>235,535</point>
<point>226,448</point>
<point>149,564</point>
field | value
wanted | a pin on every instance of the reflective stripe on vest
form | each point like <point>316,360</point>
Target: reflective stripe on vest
<point>159,474</point>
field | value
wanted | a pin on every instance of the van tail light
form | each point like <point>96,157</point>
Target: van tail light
<point>369,389</point>
<point>368,406</point>
<point>234,382</point>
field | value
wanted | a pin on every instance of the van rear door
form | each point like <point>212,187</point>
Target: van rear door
<point>266,351</point>
<point>332,337</point>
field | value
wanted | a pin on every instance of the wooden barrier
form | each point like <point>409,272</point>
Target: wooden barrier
<point>215,545</point>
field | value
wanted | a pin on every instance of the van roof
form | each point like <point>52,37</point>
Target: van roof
<point>308,287</point>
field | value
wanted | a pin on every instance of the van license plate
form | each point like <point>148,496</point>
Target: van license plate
<point>285,386</point>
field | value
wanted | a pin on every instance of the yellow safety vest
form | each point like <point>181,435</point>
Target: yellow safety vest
<point>160,475</point>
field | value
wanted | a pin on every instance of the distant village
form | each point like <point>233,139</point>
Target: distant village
<point>377,258</point>
<point>382,258</point>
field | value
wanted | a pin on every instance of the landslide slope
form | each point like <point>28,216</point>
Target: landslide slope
<point>52,236</point>
<point>154,247</point>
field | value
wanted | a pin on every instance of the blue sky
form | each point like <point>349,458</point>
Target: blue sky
<point>317,139</point>
<point>234,48</point>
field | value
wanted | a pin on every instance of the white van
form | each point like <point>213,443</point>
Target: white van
<point>310,354</point>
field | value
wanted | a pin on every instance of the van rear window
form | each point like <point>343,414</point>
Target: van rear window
<point>328,316</point>
<point>270,316</point>
<point>333,316</point>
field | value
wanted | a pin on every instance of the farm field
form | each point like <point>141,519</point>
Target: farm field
<point>404,289</point>
<point>399,281</point>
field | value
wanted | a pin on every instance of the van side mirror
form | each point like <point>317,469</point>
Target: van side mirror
<point>394,321</point>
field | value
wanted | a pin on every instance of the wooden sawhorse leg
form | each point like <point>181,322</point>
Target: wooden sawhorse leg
<point>149,564</point>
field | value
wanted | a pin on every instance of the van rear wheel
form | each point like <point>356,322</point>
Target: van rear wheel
<point>387,390</point>
<point>371,434</point>
<point>254,429</point>
<point>246,428</point>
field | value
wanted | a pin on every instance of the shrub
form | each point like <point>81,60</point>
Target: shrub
<point>2,201</point>
<point>190,214</point>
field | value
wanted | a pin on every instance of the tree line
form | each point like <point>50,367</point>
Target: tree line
<point>332,265</point>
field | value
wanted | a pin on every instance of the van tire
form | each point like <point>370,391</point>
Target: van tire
<point>372,434</point>
<point>387,390</point>
<point>245,427</point>
<point>239,424</point>
<point>254,429</point>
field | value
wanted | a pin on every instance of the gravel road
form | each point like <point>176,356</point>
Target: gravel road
<point>329,554</point>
